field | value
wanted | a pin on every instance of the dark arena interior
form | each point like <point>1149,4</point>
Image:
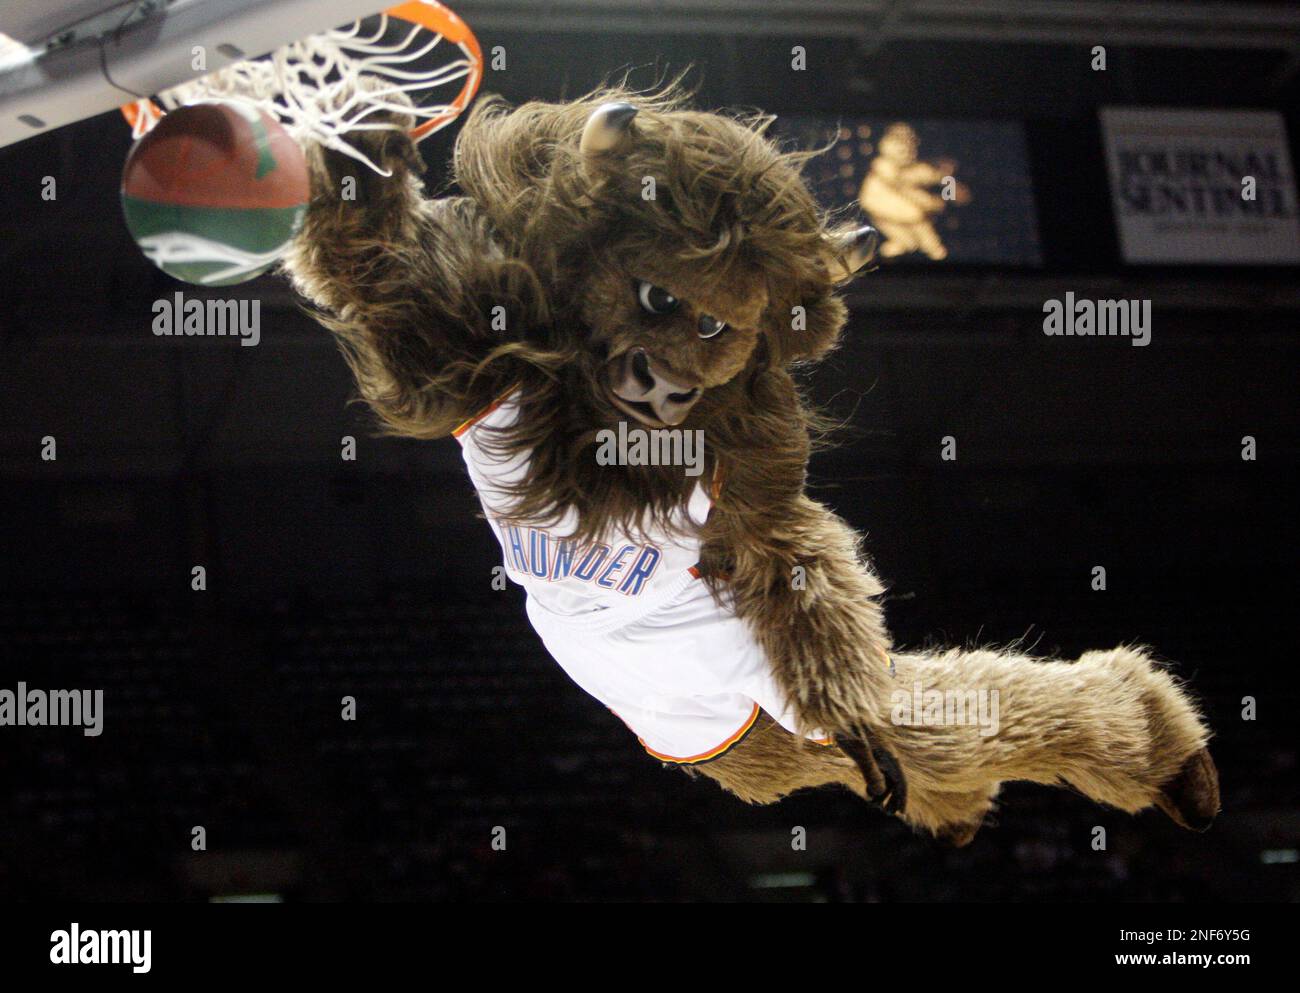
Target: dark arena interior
<point>993,468</point>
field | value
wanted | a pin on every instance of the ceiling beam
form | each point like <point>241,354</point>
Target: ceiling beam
<point>1156,23</point>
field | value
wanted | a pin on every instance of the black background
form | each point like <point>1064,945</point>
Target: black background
<point>372,578</point>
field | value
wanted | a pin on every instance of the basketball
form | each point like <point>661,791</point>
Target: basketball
<point>214,193</point>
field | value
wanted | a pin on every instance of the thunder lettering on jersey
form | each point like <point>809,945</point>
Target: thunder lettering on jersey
<point>542,555</point>
<point>619,576</point>
<point>628,619</point>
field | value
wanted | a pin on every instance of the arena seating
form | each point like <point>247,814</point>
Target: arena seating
<point>463,725</point>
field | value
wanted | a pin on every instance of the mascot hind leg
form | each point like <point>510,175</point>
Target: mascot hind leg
<point>771,764</point>
<point>1113,724</point>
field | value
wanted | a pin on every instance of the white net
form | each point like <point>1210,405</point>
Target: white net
<point>342,82</point>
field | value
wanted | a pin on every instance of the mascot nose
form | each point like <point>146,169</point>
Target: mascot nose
<point>638,379</point>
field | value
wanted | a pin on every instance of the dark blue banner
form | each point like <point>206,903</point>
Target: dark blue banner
<point>940,192</point>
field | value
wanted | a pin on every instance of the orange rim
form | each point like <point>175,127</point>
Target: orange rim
<point>133,110</point>
<point>428,14</point>
<point>435,17</point>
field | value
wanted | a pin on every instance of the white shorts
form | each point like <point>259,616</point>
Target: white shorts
<point>688,678</point>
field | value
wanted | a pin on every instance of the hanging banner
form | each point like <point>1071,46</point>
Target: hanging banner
<point>1192,186</point>
<point>938,191</point>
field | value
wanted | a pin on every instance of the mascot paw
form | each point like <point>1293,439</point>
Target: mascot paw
<point>380,125</point>
<point>886,784</point>
<point>1191,798</point>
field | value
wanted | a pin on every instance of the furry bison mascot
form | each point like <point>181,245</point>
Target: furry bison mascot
<point>624,258</point>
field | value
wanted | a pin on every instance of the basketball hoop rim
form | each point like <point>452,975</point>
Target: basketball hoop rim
<point>428,14</point>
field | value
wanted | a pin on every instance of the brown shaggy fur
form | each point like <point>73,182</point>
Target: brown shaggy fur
<point>410,286</point>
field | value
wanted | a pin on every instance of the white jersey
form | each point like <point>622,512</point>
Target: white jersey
<point>629,620</point>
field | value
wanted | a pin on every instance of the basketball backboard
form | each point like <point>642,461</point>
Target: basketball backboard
<point>65,60</point>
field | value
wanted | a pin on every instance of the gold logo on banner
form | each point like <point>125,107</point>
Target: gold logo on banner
<point>898,198</point>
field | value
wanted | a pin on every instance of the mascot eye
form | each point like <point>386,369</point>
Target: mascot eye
<point>711,327</point>
<point>656,299</point>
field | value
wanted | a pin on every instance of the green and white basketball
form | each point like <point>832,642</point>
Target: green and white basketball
<point>215,192</point>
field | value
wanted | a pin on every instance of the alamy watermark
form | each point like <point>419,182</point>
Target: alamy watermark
<point>25,707</point>
<point>103,947</point>
<point>946,708</point>
<point>654,446</point>
<point>179,317</point>
<point>1079,316</point>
